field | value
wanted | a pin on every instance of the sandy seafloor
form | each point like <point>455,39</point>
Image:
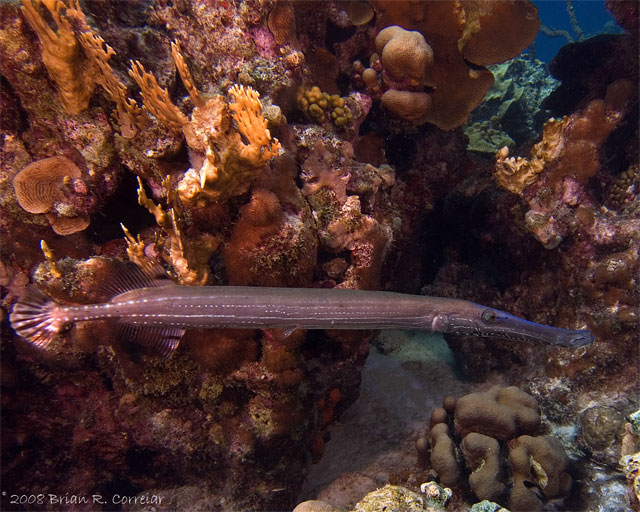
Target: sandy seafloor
<point>375,438</point>
<point>373,442</point>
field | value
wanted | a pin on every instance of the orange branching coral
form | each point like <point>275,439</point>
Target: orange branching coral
<point>231,159</point>
<point>185,74</point>
<point>60,52</point>
<point>252,124</point>
<point>514,174</point>
<point>130,116</point>
<point>77,72</point>
<point>230,165</point>
<point>156,99</point>
<point>40,188</point>
<point>189,259</point>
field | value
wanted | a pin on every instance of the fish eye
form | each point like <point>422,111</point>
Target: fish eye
<point>488,316</point>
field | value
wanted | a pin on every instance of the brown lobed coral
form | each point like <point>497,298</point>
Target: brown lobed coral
<point>485,423</point>
<point>455,32</point>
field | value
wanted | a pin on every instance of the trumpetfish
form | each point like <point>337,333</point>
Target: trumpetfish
<point>155,314</point>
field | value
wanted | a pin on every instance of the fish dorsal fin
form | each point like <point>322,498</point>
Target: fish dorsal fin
<point>130,276</point>
<point>159,340</point>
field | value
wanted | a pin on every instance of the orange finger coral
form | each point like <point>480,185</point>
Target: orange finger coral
<point>230,164</point>
<point>229,159</point>
<point>129,116</point>
<point>569,148</point>
<point>156,99</point>
<point>188,257</point>
<point>247,114</point>
<point>60,52</point>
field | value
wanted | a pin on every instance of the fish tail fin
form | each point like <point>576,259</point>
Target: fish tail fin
<point>36,318</point>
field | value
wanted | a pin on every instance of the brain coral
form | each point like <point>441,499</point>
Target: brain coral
<point>40,188</point>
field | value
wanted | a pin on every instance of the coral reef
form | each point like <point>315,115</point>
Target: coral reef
<point>589,213</point>
<point>227,203</point>
<point>453,35</point>
<point>431,498</point>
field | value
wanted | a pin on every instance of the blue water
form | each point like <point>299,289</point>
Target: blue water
<point>593,18</point>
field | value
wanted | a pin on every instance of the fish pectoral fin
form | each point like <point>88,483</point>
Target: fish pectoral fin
<point>280,333</point>
<point>159,340</point>
<point>289,331</point>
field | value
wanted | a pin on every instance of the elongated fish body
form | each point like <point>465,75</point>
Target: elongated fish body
<point>157,315</point>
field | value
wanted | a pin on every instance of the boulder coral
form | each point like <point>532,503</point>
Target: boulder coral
<point>499,413</point>
<point>456,33</point>
<point>443,455</point>
<point>486,425</point>
<point>482,457</point>
<point>540,461</point>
